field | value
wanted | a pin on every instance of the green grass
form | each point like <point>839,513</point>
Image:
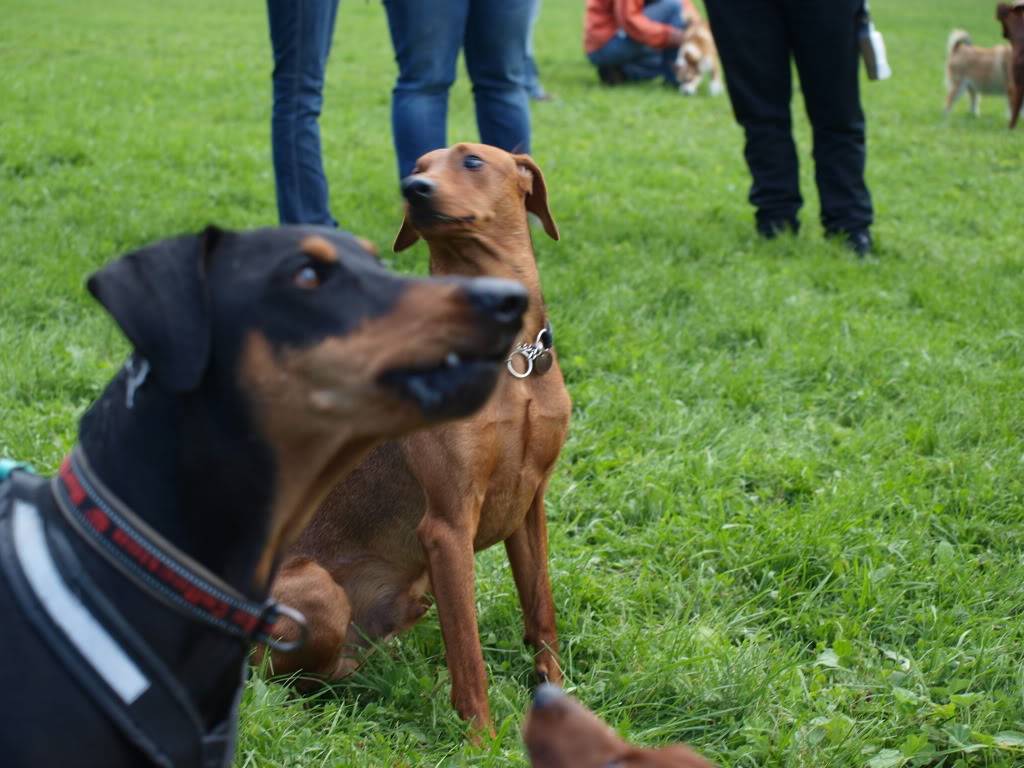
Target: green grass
<point>788,526</point>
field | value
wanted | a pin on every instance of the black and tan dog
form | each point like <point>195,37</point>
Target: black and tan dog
<point>561,733</point>
<point>265,364</point>
<point>407,522</point>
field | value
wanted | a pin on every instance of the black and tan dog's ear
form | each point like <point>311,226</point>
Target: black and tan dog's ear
<point>407,235</point>
<point>531,180</point>
<point>158,296</point>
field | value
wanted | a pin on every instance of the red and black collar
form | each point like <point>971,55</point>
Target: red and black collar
<point>157,566</point>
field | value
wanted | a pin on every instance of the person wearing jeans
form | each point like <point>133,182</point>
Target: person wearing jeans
<point>532,83</point>
<point>627,40</point>
<point>427,37</point>
<point>300,34</point>
<point>756,40</point>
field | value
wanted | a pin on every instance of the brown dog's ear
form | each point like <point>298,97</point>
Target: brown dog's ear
<point>406,235</point>
<point>531,181</point>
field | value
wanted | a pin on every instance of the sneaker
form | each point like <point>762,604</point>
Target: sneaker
<point>611,75</point>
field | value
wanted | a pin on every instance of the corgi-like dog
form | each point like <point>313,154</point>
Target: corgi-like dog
<point>697,56</point>
<point>975,70</point>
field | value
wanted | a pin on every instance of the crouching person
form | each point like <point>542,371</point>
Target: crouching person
<point>627,40</point>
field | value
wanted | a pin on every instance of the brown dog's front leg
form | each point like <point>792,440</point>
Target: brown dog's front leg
<point>527,550</point>
<point>449,551</point>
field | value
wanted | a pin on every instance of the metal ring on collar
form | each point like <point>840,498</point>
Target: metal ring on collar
<point>287,646</point>
<point>525,352</point>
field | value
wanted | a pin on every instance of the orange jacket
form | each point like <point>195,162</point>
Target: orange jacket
<point>606,17</point>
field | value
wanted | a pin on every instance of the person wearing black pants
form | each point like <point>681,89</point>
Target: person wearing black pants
<point>756,39</point>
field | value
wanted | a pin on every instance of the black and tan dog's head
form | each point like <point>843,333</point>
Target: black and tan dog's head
<point>470,189</point>
<point>327,351</point>
<point>562,733</point>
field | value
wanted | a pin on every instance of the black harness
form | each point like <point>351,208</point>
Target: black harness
<point>97,646</point>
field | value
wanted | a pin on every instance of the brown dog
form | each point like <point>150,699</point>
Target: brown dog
<point>1011,15</point>
<point>975,70</point>
<point>408,520</point>
<point>562,733</point>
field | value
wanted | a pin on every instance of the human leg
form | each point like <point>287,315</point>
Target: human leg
<point>495,47</point>
<point>754,46</point>
<point>300,34</point>
<point>533,85</point>
<point>826,50</point>
<point>426,39</point>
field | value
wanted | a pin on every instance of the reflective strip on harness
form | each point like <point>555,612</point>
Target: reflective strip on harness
<point>83,631</point>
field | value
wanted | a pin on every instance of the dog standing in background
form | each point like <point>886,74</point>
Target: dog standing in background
<point>1011,15</point>
<point>975,70</point>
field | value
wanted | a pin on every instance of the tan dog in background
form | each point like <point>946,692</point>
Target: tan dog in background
<point>697,56</point>
<point>975,70</point>
<point>408,520</point>
<point>562,733</point>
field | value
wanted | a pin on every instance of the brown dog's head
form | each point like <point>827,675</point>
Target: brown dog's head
<point>1011,15</point>
<point>470,189</point>
<point>562,733</point>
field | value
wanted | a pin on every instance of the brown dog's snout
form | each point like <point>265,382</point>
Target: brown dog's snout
<point>501,302</point>
<point>418,189</point>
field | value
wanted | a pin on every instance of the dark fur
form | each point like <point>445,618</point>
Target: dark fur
<point>1012,19</point>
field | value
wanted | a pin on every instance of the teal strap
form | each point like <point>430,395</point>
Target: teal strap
<point>9,465</point>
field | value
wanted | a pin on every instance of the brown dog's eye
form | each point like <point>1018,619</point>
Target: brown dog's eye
<point>472,162</point>
<point>307,278</point>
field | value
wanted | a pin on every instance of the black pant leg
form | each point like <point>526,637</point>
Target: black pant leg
<point>753,43</point>
<point>825,46</point>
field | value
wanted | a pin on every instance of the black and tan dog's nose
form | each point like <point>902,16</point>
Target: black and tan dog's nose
<point>503,301</point>
<point>418,189</point>
<point>547,695</point>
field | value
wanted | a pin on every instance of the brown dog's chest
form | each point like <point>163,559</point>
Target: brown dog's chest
<point>493,464</point>
<point>529,428</point>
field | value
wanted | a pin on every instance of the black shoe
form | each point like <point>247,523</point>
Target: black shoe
<point>611,75</point>
<point>857,240</point>
<point>770,229</point>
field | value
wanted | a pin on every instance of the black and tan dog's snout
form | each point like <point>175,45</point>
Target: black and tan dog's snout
<point>498,303</point>
<point>498,308</point>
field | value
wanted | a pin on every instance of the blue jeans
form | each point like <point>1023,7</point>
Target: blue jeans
<point>300,33</point>
<point>638,61</point>
<point>427,37</point>
<point>532,81</point>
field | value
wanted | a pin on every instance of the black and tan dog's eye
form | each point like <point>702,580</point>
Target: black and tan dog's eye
<point>472,162</point>
<point>307,278</point>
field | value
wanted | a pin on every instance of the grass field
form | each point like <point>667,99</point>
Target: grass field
<point>788,526</point>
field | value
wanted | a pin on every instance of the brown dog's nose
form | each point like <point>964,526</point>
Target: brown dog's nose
<point>417,189</point>
<point>502,301</point>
